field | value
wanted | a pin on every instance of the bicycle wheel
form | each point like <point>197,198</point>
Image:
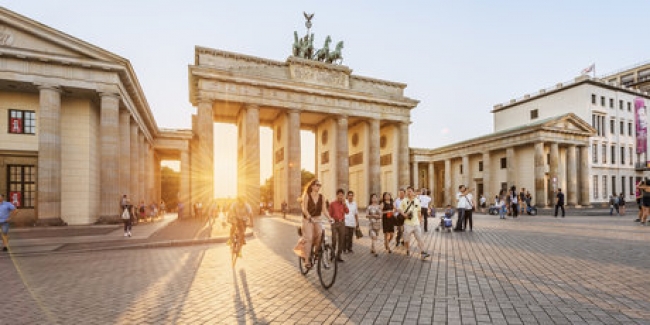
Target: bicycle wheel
<point>327,266</point>
<point>234,248</point>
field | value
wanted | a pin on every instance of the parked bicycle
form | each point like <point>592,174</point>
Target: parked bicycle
<point>324,258</point>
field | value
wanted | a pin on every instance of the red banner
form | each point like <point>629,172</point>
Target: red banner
<point>16,199</point>
<point>16,125</point>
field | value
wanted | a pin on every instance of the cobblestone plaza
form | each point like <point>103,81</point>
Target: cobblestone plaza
<point>531,270</point>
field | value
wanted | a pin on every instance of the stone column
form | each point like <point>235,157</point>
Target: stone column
<point>431,178</point>
<point>251,149</point>
<point>294,160</point>
<point>467,177</point>
<point>416,175</point>
<point>342,153</point>
<point>572,176</point>
<point>48,204</point>
<point>511,171</point>
<point>142,190</point>
<point>374,169</point>
<point>585,200</point>
<point>449,193</point>
<point>184,188</point>
<point>133,163</point>
<point>487,177</point>
<point>403,155</point>
<point>540,171</point>
<point>125,153</point>
<point>205,125</point>
<point>554,163</point>
<point>110,159</point>
<point>157,179</point>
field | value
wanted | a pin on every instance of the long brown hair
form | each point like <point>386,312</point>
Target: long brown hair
<point>307,189</point>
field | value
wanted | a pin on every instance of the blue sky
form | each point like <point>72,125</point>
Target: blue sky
<point>459,58</point>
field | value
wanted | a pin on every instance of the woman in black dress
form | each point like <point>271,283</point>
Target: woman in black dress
<point>387,219</point>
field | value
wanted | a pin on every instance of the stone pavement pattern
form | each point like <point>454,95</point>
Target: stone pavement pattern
<point>541,270</point>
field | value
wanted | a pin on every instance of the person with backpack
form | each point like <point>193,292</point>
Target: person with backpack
<point>621,204</point>
<point>613,205</point>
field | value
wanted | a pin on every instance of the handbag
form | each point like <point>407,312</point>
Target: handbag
<point>126,215</point>
<point>358,232</point>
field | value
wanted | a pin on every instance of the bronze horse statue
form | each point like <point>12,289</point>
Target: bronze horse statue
<point>322,54</point>
<point>335,56</point>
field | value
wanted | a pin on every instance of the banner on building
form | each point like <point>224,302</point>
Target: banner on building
<point>641,126</point>
<point>16,199</point>
<point>16,125</point>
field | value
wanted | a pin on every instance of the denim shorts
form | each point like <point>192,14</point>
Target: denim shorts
<point>5,227</point>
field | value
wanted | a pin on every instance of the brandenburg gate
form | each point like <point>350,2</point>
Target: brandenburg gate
<point>360,123</point>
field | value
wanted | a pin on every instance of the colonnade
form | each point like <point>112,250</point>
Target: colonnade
<point>566,168</point>
<point>125,159</point>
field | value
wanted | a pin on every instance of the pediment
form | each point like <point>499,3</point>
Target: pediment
<point>21,33</point>
<point>569,123</point>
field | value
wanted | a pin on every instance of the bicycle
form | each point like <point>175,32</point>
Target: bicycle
<point>324,256</point>
<point>235,245</point>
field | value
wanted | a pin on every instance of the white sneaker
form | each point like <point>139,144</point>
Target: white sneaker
<point>129,234</point>
<point>126,234</point>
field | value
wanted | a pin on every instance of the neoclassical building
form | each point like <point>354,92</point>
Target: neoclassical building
<point>580,136</point>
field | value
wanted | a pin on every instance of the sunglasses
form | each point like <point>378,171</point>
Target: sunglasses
<point>317,184</point>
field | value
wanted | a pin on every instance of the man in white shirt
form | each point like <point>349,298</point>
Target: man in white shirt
<point>411,210</point>
<point>351,222</point>
<point>425,200</point>
<point>462,204</point>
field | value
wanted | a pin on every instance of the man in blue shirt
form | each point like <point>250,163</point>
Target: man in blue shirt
<point>6,211</point>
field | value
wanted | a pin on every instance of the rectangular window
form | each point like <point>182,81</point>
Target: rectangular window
<point>480,166</point>
<point>602,126</point>
<point>611,103</point>
<point>594,154</point>
<point>461,169</point>
<point>504,163</point>
<point>604,186</point>
<point>604,153</point>
<point>629,128</point>
<point>629,106</point>
<point>21,182</point>
<point>613,185</point>
<point>612,125</point>
<point>622,155</point>
<point>22,122</point>
<point>596,186</point>
<point>620,104</point>
<point>593,99</point>
<point>613,154</point>
<point>631,185</point>
<point>602,101</point>
<point>621,127</point>
<point>534,114</point>
<point>631,157</point>
<point>623,185</point>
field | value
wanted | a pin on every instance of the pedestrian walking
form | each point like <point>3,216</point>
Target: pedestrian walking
<point>425,200</point>
<point>559,202</point>
<point>284,209</point>
<point>373,213</point>
<point>351,222</point>
<point>399,218</point>
<point>337,211</point>
<point>127,217</point>
<point>644,187</point>
<point>470,211</point>
<point>514,201</point>
<point>502,207</point>
<point>387,219</point>
<point>462,205</point>
<point>7,210</point>
<point>621,204</point>
<point>411,209</point>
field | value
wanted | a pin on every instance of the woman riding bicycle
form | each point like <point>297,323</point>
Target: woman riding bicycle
<point>238,216</point>
<point>313,206</point>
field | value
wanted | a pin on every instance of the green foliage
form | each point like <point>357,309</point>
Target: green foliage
<point>170,182</point>
<point>266,190</point>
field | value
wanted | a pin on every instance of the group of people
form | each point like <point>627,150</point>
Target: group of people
<point>397,218</point>
<point>513,203</point>
<point>131,213</point>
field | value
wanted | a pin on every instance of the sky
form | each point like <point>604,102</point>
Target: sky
<point>459,58</point>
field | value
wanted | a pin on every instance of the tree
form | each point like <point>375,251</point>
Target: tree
<point>266,190</point>
<point>170,182</point>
